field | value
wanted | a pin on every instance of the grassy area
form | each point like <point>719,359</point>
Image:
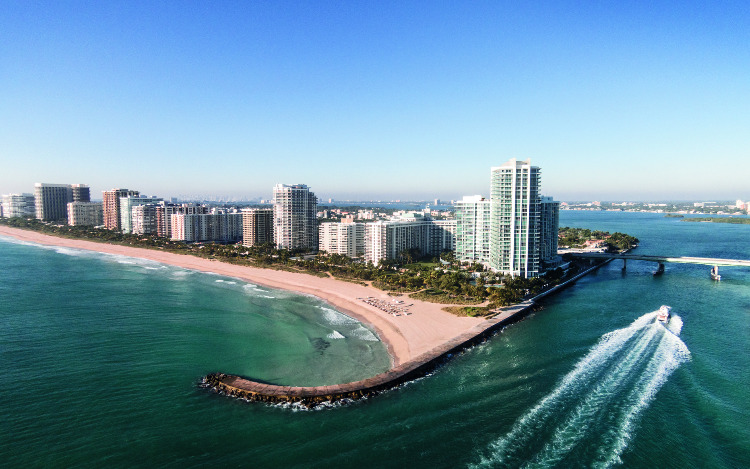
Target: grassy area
<point>737,221</point>
<point>470,311</point>
<point>422,265</point>
<point>380,285</point>
<point>438,296</point>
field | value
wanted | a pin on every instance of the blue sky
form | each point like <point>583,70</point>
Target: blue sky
<point>361,100</point>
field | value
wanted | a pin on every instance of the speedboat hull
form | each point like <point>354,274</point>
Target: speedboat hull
<point>664,313</point>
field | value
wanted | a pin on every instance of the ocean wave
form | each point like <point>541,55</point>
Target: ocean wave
<point>337,318</point>
<point>336,335</point>
<point>363,333</point>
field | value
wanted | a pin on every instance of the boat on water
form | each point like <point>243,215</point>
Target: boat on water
<point>715,273</point>
<point>664,313</point>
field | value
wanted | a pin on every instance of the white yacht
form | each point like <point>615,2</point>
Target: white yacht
<point>664,313</point>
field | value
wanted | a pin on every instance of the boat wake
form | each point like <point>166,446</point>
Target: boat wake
<point>590,416</point>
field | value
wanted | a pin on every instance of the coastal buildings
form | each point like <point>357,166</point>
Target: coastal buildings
<point>473,229</point>
<point>389,239</point>
<point>81,193</point>
<point>18,205</point>
<point>111,206</point>
<point>126,209</point>
<point>257,226</point>
<point>165,210</point>
<point>523,226</point>
<point>85,214</point>
<point>346,238</point>
<point>220,226</point>
<point>51,201</point>
<point>295,224</point>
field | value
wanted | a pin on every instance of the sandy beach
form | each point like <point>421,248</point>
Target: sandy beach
<point>406,336</point>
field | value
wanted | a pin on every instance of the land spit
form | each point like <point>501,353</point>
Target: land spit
<point>243,388</point>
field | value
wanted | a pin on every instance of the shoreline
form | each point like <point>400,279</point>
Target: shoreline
<point>405,337</point>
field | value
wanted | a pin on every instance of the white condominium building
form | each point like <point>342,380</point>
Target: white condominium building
<point>295,222</point>
<point>220,227</point>
<point>388,239</point>
<point>144,219</point>
<point>18,205</point>
<point>347,239</point>
<point>52,200</point>
<point>257,226</point>
<point>473,229</point>
<point>85,214</point>
<point>515,212</point>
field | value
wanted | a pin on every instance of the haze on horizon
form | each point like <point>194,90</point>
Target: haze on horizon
<point>377,100</point>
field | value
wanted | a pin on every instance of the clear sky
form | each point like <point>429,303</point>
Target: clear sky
<point>360,100</point>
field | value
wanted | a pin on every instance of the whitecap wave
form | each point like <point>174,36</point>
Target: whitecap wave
<point>336,335</point>
<point>337,318</point>
<point>363,333</point>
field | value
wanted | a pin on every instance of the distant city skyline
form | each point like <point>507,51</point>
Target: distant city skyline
<point>377,101</point>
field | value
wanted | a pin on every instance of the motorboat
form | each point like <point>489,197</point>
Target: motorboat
<point>664,313</point>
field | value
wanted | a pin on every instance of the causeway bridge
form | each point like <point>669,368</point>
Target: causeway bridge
<point>661,260</point>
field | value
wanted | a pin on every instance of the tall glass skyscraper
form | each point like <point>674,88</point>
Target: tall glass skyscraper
<point>515,232</point>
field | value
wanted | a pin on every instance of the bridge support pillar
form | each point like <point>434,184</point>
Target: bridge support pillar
<point>624,265</point>
<point>659,270</point>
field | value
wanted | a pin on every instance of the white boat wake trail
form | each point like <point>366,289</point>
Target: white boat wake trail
<point>589,418</point>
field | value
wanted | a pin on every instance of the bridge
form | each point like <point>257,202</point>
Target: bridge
<point>661,260</point>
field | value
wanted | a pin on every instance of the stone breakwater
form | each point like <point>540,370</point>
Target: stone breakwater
<point>243,388</point>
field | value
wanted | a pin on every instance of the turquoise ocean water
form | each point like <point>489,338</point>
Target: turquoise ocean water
<point>101,357</point>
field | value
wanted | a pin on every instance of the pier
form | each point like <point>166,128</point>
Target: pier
<point>661,260</point>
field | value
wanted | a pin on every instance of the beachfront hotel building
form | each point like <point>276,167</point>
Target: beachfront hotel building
<point>515,215</point>
<point>85,214</point>
<point>126,209</point>
<point>388,239</point>
<point>257,226</point>
<point>295,222</point>
<point>473,229</point>
<point>51,201</point>
<point>345,238</point>
<point>220,226</point>
<point>18,205</point>
<point>111,206</point>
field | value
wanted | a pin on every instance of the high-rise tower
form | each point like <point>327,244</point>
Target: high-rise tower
<point>295,223</point>
<point>515,215</point>
<point>51,201</point>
